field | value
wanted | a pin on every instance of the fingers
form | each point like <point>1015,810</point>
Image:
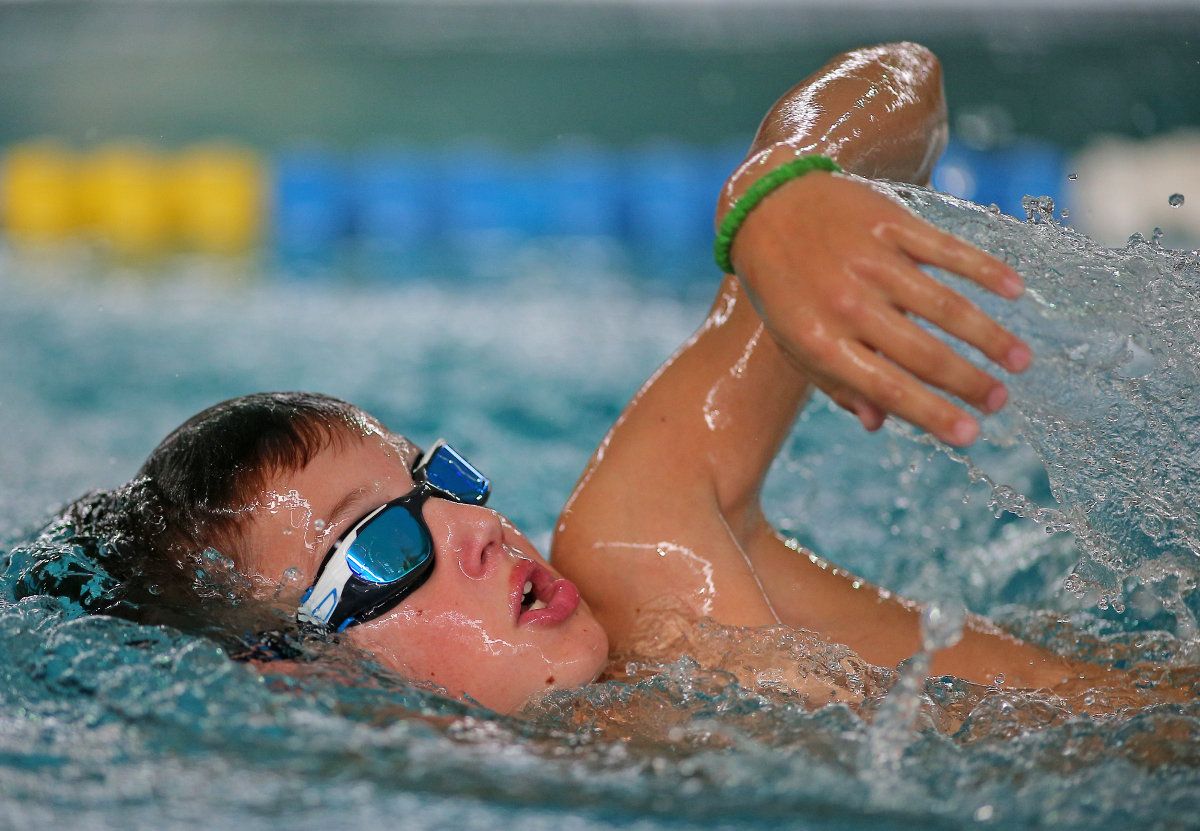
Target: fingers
<point>931,246</point>
<point>892,390</point>
<point>931,360</point>
<point>915,291</point>
<point>872,417</point>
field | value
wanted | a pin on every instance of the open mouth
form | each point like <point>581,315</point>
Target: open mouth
<point>530,602</point>
<point>541,598</point>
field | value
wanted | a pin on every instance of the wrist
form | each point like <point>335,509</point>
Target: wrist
<point>748,193</point>
<point>761,162</point>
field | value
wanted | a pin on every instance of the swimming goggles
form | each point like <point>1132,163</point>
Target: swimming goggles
<point>388,554</point>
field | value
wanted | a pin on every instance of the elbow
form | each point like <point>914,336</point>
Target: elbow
<point>925,66</point>
<point>906,95</point>
<point>905,50</point>
<point>907,62</point>
<point>911,50</point>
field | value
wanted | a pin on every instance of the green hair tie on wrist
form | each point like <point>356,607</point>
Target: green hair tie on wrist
<point>733,220</point>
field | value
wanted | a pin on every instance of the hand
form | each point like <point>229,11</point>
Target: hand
<point>833,270</point>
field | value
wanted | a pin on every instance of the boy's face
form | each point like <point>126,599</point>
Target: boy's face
<point>459,629</point>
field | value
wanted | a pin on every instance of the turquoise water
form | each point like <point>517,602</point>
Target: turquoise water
<point>109,724</point>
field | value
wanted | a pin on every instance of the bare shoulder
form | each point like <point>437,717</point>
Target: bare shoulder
<point>628,546</point>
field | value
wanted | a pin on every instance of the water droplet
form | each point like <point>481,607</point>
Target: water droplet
<point>942,624</point>
<point>999,680</point>
<point>1038,208</point>
<point>318,525</point>
<point>1065,213</point>
<point>1073,176</point>
<point>1175,200</point>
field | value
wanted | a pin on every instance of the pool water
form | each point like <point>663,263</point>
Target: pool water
<point>1070,523</point>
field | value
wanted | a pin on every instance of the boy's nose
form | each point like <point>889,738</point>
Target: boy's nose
<point>470,534</point>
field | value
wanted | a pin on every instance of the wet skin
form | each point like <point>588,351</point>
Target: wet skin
<point>459,629</point>
<point>828,274</point>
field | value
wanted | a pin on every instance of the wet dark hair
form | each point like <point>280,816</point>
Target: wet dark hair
<point>135,551</point>
<point>210,465</point>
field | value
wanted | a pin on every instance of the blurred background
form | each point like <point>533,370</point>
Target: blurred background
<point>391,139</point>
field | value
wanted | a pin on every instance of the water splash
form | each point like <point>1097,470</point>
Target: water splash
<point>1111,403</point>
<point>109,723</point>
<point>892,731</point>
<point>1038,208</point>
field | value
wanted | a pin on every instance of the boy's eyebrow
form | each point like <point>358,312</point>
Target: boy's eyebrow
<point>342,509</point>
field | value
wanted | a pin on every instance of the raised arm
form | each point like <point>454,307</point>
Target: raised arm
<point>668,507</point>
<point>837,298</point>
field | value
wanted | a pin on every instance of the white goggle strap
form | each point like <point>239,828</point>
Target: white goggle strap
<point>321,601</point>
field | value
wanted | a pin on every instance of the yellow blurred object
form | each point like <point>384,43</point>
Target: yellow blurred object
<point>210,197</point>
<point>39,197</point>
<point>217,193</point>
<point>122,190</point>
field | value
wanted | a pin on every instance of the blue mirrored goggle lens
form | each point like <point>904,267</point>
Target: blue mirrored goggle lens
<point>391,547</point>
<point>450,473</point>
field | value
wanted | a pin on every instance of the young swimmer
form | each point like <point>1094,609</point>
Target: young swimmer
<point>398,551</point>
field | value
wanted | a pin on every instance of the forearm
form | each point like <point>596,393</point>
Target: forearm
<point>878,111</point>
<point>885,629</point>
<point>833,268</point>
